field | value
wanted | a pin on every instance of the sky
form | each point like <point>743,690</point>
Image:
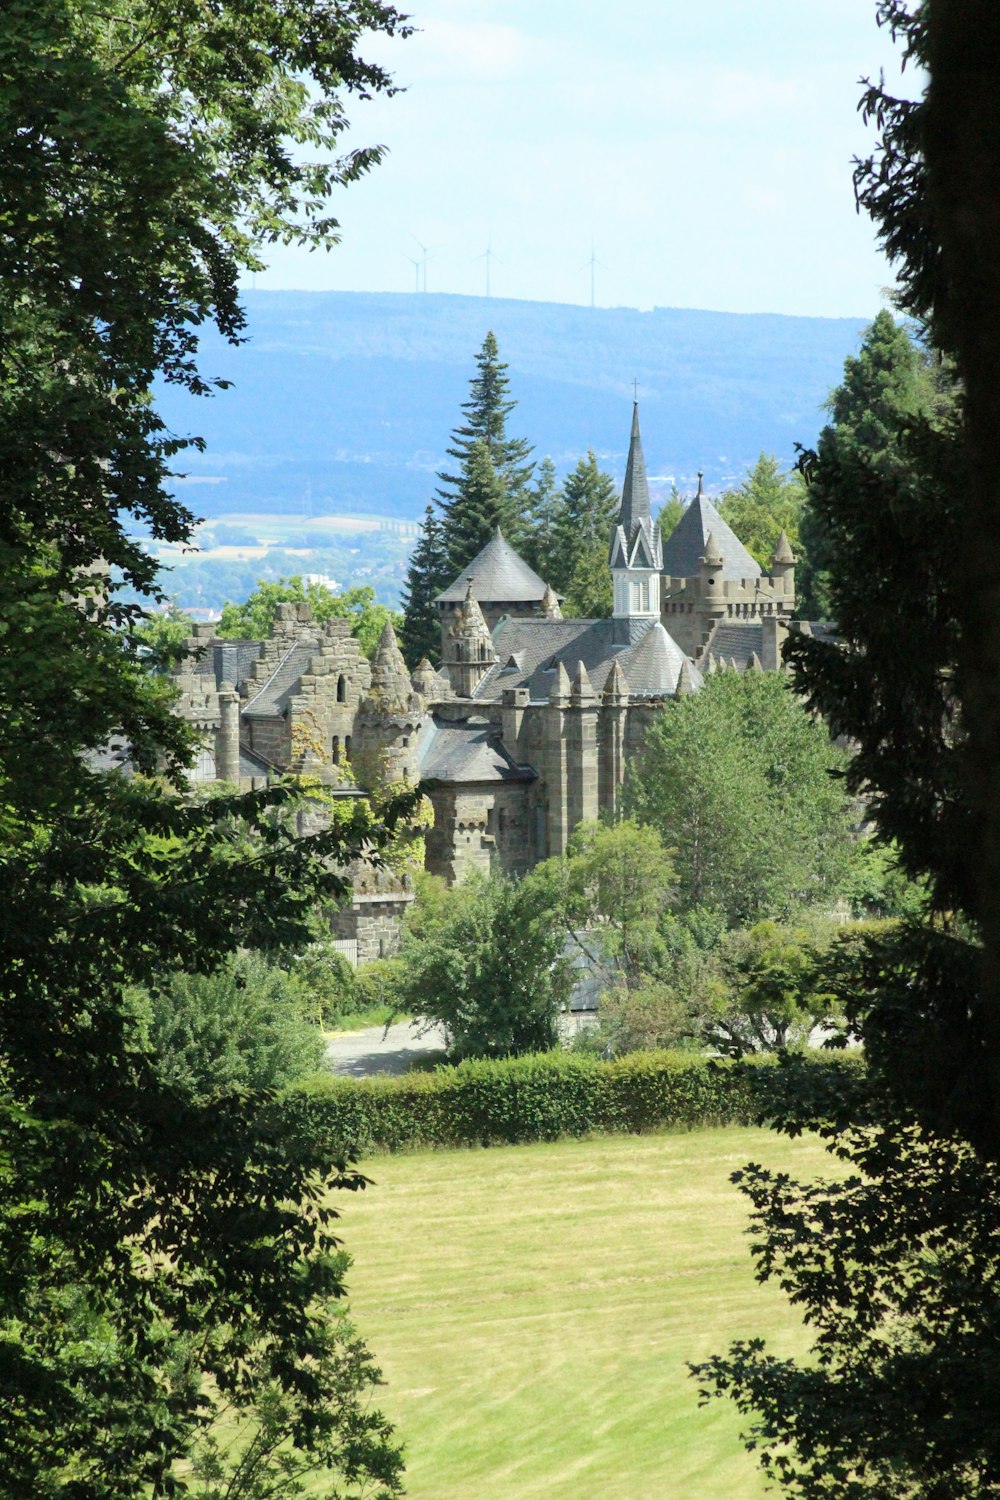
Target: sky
<point>699,156</point>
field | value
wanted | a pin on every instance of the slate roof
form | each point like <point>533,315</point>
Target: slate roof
<point>467,751</point>
<point>501,577</point>
<point>686,544</point>
<point>271,697</point>
<point>233,660</point>
<point>635,540</point>
<point>252,764</point>
<point>736,640</point>
<point>651,664</point>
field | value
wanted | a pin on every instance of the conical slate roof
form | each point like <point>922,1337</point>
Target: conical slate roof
<point>654,664</point>
<point>501,577</point>
<point>686,544</point>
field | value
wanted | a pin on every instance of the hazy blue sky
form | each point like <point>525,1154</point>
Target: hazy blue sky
<point>703,151</point>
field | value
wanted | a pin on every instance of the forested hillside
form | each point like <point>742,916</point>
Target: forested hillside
<point>343,402</point>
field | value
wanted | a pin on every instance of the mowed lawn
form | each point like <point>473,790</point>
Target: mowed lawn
<point>533,1309</point>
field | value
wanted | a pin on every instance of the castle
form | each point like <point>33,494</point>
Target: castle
<point>527,728</point>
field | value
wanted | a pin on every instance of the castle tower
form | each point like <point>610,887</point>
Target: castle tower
<point>636,555</point>
<point>555,752</point>
<point>468,647</point>
<point>389,718</point>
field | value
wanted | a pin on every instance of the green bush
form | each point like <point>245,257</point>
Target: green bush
<point>544,1096</point>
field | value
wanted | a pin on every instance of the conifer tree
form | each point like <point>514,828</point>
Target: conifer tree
<point>767,503</point>
<point>483,506</point>
<point>538,544</point>
<point>886,383</point>
<point>585,514</point>
<point>486,412</point>
<point>426,577</point>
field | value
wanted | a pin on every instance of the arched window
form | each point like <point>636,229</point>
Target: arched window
<point>335,748</point>
<point>347,747</point>
<point>341,689</point>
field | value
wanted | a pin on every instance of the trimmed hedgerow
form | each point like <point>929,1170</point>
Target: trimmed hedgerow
<point>543,1097</point>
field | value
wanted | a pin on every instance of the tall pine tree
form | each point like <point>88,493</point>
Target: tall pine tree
<point>426,577</point>
<point>484,505</point>
<point>486,413</point>
<point>539,544</point>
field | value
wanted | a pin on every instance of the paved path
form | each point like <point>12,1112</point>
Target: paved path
<point>381,1049</point>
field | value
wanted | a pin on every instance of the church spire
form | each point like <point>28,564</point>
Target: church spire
<point>636,553</point>
<point>635,491</point>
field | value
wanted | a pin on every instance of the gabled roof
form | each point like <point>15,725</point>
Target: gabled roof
<point>501,576</point>
<point>651,664</point>
<point>272,696</point>
<point>686,544</point>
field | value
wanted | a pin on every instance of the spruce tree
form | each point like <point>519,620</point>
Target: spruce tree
<point>486,413</point>
<point>538,545</point>
<point>484,505</point>
<point>585,514</point>
<point>426,577</point>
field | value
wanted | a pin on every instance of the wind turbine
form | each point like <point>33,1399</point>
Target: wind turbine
<point>591,263</point>
<point>487,256</point>
<point>425,253</point>
<point>416,267</point>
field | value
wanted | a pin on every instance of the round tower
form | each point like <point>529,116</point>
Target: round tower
<point>389,719</point>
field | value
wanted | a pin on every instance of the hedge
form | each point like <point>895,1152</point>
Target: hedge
<point>543,1097</point>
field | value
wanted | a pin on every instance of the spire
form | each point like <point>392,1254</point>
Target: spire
<point>783,552</point>
<point>712,556</point>
<point>635,491</point>
<point>701,476</point>
<point>582,688</point>
<point>616,688</point>
<point>753,665</point>
<point>711,666</point>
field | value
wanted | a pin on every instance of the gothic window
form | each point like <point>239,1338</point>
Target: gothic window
<point>341,689</point>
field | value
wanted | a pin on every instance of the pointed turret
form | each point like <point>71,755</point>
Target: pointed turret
<point>783,553</point>
<point>559,691</point>
<point>550,604</point>
<point>583,691</point>
<point>753,665</point>
<point>712,556</point>
<point>685,679</point>
<point>468,653</point>
<point>390,680</point>
<point>616,688</point>
<point>711,666</point>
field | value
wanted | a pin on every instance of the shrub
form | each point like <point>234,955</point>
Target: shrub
<point>542,1097</point>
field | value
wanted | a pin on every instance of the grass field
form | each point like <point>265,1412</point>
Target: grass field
<point>533,1308</point>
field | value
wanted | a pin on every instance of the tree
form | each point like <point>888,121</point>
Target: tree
<point>737,781</point>
<point>889,1261</point>
<point>154,1246</point>
<point>585,513</point>
<point>487,410</point>
<point>886,384</point>
<point>486,961</point>
<point>767,503</point>
<point>427,575</point>
<point>670,512</point>
<point>484,505</point>
<point>245,1026</point>
<point>539,544</point>
<point>252,620</point>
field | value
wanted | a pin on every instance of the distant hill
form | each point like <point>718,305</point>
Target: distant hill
<point>344,401</point>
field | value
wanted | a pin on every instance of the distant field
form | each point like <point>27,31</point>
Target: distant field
<point>533,1307</point>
